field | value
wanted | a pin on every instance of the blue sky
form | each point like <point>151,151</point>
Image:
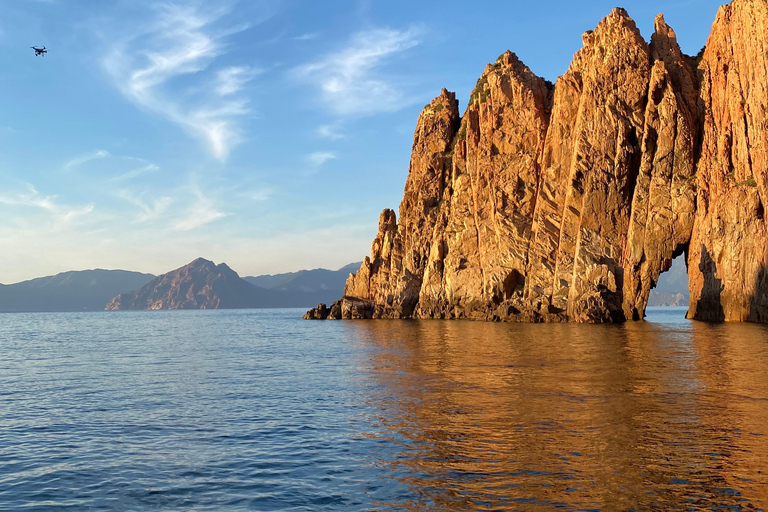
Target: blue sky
<point>266,134</point>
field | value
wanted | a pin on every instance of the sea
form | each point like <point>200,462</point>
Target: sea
<point>257,410</point>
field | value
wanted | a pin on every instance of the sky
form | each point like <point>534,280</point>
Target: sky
<point>267,134</point>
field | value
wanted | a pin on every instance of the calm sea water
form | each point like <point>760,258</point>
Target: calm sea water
<point>257,410</point>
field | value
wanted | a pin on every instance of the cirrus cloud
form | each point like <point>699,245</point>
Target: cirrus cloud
<point>318,158</point>
<point>166,67</point>
<point>348,79</point>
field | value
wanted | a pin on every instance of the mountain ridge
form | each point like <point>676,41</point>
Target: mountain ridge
<point>318,278</point>
<point>201,284</point>
<point>75,290</point>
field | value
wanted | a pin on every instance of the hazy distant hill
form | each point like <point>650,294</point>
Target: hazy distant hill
<point>199,285</point>
<point>85,290</point>
<point>307,287</point>
<point>672,288</point>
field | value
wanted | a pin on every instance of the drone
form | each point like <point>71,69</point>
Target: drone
<point>39,51</point>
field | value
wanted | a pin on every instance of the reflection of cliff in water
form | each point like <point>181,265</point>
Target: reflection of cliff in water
<point>537,416</point>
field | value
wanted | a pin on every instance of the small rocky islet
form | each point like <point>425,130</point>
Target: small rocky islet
<point>561,203</point>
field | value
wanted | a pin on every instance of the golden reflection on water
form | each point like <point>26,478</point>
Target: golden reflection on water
<point>534,417</point>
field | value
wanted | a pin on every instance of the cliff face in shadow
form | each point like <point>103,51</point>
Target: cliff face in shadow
<point>566,203</point>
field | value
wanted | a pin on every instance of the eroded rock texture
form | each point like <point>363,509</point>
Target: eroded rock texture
<point>591,160</point>
<point>664,200</point>
<point>391,279</point>
<point>727,258</point>
<point>479,251</point>
<point>567,203</point>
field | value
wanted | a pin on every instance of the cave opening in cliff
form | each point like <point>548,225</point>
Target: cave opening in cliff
<point>672,288</point>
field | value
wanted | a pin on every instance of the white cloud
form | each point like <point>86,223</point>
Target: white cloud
<point>58,213</point>
<point>202,212</point>
<point>319,158</point>
<point>261,195</point>
<point>349,84</point>
<point>182,41</point>
<point>232,79</point>
<point>120,167</point>
<point>82,159</point>
<point>148,210</point>
<point>330,131</point>
<point>306,37</point>
<point>133,173</point>
<point>198,217</point>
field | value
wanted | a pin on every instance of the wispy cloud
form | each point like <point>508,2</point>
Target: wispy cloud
<point>134,173</point>
<point>202,212</point>
<point>153,68</point>
<point>60,214</point>
<point>232,80</point>
<point>112,168</point>
<point>82,159</point>
<point>306,37</point>
<point>348,79</point>
<point>261,195</point>
<point>319,158</point>
<point>330,131</point>
<point>148,210</point>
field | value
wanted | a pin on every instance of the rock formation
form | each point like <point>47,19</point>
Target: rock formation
<point>567,203</point>
<point>727,257</point>
<point>198,285</point>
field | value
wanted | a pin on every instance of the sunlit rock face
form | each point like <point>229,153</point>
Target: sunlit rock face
<point>566,203</point>
<point>664,199</point>
<point>590,163</point>
<point>727,257</point>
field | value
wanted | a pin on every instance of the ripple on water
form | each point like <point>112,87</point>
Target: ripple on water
<point>257,410</point>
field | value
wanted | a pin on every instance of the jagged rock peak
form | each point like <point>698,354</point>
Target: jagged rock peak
<point>615,29</point>
<point>201,264</point>
<point>664,44</point>
<point>665,48</point>
<point>662,29</point>
<point>664,41</point>
<point>566,205</point>
<point>506,69</point>
<point>509,60</point>
<point>446,97</point>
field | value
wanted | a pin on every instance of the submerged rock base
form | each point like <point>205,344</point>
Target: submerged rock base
<point>565,203</point>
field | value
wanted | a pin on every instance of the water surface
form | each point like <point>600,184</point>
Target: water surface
<point>258,410</point>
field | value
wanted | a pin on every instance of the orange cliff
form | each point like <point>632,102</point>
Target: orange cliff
<point>545,204</point>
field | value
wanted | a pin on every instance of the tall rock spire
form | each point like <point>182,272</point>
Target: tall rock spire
<point>591,161</point>
<point>729,249</point>
<point>665,193</point>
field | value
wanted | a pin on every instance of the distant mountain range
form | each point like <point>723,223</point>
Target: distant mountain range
<point>312,286</point>
<point>672,288</point>
<point>86,290</point>
<point>205,286</point>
